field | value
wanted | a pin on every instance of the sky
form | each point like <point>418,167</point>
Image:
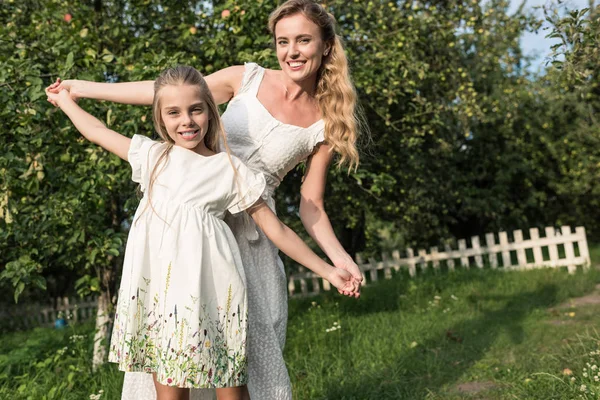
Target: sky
<point>537,44</point>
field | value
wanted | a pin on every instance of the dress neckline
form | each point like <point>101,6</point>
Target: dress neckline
<point>260,79</point>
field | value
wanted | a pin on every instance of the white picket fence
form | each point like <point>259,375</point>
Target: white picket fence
<point>558,248</point>
<point>34,315</point>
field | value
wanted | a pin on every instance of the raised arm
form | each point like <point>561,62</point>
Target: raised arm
<point>288,242</point>
<point>313,214</point>
<point>223,85</point>
<point>89,126</point>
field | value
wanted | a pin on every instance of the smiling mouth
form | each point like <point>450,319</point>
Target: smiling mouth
<point>189,135</point>
<point>296,64</point>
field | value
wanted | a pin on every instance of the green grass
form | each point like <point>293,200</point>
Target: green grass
<point>404,339</point>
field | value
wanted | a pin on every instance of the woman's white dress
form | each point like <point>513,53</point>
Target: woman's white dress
<point>182,306</point>
<point>267,145</point>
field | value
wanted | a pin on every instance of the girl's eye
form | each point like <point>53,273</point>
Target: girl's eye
<point>172,113</point>
<point>198,110</point>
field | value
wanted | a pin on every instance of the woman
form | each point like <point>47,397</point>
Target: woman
<point>274,120</point>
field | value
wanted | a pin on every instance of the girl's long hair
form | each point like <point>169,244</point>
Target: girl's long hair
<point>335,91</point>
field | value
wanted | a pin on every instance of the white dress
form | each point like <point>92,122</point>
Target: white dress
<point>182,306</point>
<point>267,145</point>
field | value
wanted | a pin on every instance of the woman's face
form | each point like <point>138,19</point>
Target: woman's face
<point>300,49</point>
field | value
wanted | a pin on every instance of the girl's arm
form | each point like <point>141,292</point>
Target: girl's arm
<point>89,126</point>
<point>313,214</point>
<point>288,242</point>
<point>223,85</point>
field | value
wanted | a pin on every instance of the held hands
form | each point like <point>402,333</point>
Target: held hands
<point>344,282</point>
<point>58,98</point>
<point>347,264</point>
<point>60,85</point>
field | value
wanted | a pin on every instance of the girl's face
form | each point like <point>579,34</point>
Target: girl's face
<point>300,49</point>
<point>185,116</point>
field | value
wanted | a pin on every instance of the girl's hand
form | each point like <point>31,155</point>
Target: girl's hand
<point>69,86</point>
<point>344,282</point>
<point>58,99</point>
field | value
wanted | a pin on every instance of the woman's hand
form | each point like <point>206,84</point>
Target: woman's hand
<point>346,263</point>
<point>69,86</point>
<point>58,99</point>
<point>344,282</point>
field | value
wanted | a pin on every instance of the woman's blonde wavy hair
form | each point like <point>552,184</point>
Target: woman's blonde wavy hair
<point>180,76</point>
<point>335,92</point>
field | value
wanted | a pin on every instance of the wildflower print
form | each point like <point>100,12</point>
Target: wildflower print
<point>186,346</point>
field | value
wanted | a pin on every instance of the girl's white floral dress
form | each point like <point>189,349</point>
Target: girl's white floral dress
<point>182,306</point>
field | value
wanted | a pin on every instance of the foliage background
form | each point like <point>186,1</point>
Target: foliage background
<point>464,139</point>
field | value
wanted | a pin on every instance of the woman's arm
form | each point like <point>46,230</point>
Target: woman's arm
<point>89,126</point>
<point>313,214</point>
<point>137,93</point>
<point>223,85</point>
<point>288,242</point>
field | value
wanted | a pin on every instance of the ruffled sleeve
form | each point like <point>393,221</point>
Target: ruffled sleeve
<point>319,135</point>
<point>138,156</point>
<point>249,187</point>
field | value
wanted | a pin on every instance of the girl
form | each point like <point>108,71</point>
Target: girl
<point>182,309</point>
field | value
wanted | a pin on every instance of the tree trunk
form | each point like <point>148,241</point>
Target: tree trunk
<point>103,325</point>
<point>105,314</point>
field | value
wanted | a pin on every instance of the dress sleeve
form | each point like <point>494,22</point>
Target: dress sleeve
<point>250,71</point>
<point>249,187</point>
<point>138,156</point>
<point>319,137</point>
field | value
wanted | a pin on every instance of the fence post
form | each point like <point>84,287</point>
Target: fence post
<point>477,248</point>
<point>396,257</point>
<point>412,268</point>
<point>552,248</point>
<point>583,247</point>
<point>505,253</point>
<point>450,260</point>
<point>569,250</point>
<point>462,246</point>
<point>387,270</point>
<point>373,269</point>
<point>521,257</point>
<point>435,258</point>
<point>489,242</point>
<point>538,257</point>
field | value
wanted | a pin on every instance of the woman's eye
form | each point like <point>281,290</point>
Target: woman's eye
<point>282,42</point>
<point>304,41</point>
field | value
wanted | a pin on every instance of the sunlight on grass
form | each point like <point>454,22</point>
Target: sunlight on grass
<point>440,336</point>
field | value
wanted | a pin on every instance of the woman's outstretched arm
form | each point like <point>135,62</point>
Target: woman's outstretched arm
<point>137,93</point>
<point>223,85</point>
<point>313,214</point>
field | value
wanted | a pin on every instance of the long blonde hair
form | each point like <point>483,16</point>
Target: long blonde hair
<point>335,93</point>
<point>179,76</point>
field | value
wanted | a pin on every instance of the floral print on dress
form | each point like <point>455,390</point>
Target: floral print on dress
<point>198,356</point>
